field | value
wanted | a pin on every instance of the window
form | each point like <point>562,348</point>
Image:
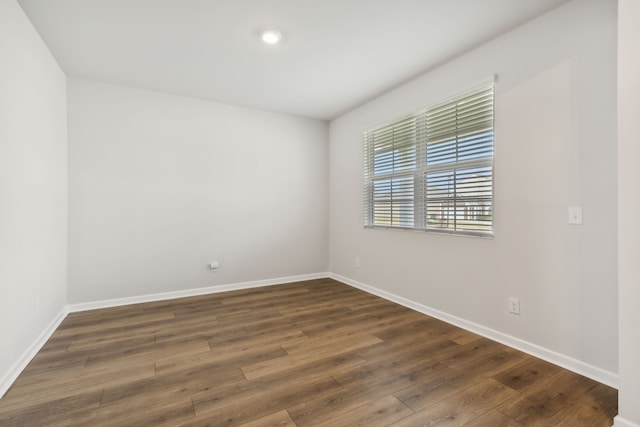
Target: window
<point>433,170</point>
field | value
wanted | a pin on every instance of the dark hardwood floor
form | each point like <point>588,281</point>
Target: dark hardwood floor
<point>316,353</point>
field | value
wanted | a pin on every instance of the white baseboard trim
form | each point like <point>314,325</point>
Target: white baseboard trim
<point>575,365</point>
<point>12,374</point>
<point>72,308</point>
<point>618,421</point>
<point>9,378</point>
<point>567,362</point>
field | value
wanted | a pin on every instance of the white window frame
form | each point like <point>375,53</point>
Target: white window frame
<point>408,160</point>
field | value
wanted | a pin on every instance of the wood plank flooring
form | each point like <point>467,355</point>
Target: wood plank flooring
<point>315,353</point>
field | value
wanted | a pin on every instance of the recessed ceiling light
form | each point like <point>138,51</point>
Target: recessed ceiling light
<point>271,36</point>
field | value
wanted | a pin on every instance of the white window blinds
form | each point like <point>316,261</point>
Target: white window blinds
<point>433,170</point>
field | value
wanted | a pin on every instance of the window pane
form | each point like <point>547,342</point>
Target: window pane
<point>469,147</point>
<point>460,199</point>
<point>396,160</point>
<point>475,146</point>
<point>393,202</point>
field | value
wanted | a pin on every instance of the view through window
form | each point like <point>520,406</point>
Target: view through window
<point>433,170</point>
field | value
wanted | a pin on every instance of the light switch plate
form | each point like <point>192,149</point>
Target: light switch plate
<point>575,215</point>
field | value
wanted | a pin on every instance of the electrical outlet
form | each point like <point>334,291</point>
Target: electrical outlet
<point>356,263</point>
<point>514,306</point>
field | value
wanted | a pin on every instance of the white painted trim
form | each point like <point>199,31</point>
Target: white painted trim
<point>72,308</point>
<point>12,374</point>
<point>575,365</point>
<point>29,354</point>
<point>567,362</point>
<point>618,421</point>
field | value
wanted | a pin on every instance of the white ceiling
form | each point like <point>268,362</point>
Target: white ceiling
<point>336,54</point>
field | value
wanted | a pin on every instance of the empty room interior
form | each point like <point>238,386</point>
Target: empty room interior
<point>306,212</point>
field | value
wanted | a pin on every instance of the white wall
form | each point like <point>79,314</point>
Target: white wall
<point>629,210</point>
<point>160,185</point>
<point>33,189</point>
<point>555,147</point>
